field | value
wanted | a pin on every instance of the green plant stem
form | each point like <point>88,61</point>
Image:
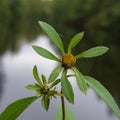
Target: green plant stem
<point>63,106</point>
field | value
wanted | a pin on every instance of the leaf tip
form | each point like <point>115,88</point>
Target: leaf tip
<point>49,80</point>
<point>26,87</point>
<point>40,22</point>
<point>83,32</point>
<point>34,66</point>
<point>72,102</point>
<point>107,49</point>
<point>85,93</point>
<point>33,46</point>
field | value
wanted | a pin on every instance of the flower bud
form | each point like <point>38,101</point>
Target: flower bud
<point>68,60</point>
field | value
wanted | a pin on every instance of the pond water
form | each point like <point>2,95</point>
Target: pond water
<point>16,73</point>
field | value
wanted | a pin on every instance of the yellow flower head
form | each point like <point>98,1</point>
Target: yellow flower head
<point>68,60</point>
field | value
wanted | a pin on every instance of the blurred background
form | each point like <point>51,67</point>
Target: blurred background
<point>19,30</point>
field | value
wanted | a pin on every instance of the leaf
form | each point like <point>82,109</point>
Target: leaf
<point>36,76</point>
<point>80,81</point>
<point>44,80</point>
<point>53,35</point>
<point>33,87</point>
<point>45,102</point>
<point>45,53</point>
<point>55,83</point>
<point>67,88</point>
<point>54,74</point>
<point>103,93</point>
<point>75,40</point>
<point>68,114</point>
<point>93,52</point>
<point>16,108</point>
<point>38,94</point>
<point>52,93</point>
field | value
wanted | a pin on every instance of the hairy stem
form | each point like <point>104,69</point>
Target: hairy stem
<point>63,107</point>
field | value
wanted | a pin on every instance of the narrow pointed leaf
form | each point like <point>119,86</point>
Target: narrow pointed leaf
<point>16,108</point>
<point>45,53</point>
<point>36,76</point>
<point>45,102</point>
<point>55,83</point>
<point>44,80</point>
<point>69,115</point>
<point>67,88</point>
<point>38,94</point>
<point>53,35</point>
<point>54,74</point>
<point>75,40</point>
<point>103,93</point>
<point>80,81</point>
<point>93,52</point>
<point>33,87</point>
<point>52,93</point>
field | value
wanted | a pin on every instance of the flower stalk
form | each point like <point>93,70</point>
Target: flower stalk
<point>63,106</point>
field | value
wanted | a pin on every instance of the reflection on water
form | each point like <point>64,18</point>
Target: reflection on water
<point>18,71</point>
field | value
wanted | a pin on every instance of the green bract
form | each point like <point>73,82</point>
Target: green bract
<point>46,89</point>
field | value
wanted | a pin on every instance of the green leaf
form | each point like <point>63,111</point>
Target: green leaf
<point>45,102</point>
<point>93,52</point>
<point>33,87</point>
<point>53,35</point>
<point>54,74</point>
<point>16,108</point>
<point>44,80</point>
<point>52,93</point>
<point>67,88</point>
<point>36,76</point>
<point>54,83</point>
<point>103,93</point>
<point>45,53</point>
<point>75,40</point>
<point>38,94</point>
<point>80,81</point>
<point>68,114</point>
